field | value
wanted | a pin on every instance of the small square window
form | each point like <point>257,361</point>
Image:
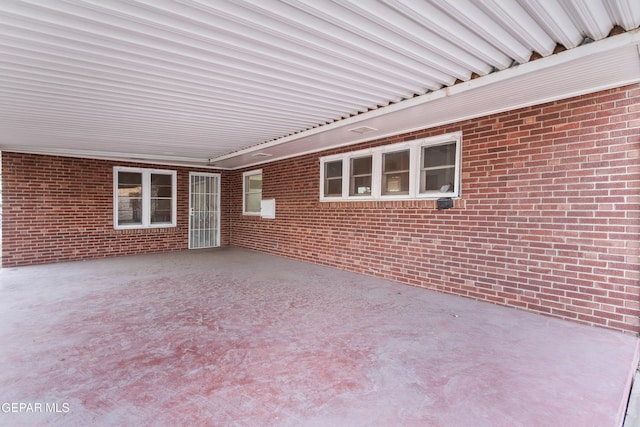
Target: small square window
<point>360,179</point>
<point>333,179</point>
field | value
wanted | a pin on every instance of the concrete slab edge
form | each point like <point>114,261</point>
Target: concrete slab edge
<point>632,416</point>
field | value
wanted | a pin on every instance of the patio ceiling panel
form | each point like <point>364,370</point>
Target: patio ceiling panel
<point>431,17</point>
<point>625,13</point>
<point>556,21</point>
<point>593,17</point>
<point>478,18</point>
<point>190,81</point>
<point>524,27</point>
<point>426,45</point>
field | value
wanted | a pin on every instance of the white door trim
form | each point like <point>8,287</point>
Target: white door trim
<point>199,210</point>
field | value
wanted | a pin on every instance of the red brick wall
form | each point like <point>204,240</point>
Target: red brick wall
<point>548,220</point>
<point>61,209</point>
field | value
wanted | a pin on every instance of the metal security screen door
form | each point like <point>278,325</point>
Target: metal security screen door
<point>204,210</point>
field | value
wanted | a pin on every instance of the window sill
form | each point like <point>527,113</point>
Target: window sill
<point>402,198</point>
<point>144,227</point>
<point>419,204</point>
<point>148,230</point>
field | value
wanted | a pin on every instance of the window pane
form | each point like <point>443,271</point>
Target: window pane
<point>254,183</point>
<point>395,172</point>
<point>129,178</point>
<point>160,211</point>
<point>161,185</point>
<point>252,192</point>
<point>333,169</point>
<point>439,155</point>
<point>440,180</point>
<point>360,182</point>
<point>333,187</point>
<point>129,198</point>
<point>333,178</point>
<point>253,202</point>
<point>398,161</point>
<point>361,186</point>
<point>361,166</point>
<point>161,195</point>
<point>129,184</point>
<point>129,210</point>
<point>395,183</point>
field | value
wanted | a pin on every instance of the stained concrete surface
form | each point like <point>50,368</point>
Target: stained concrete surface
<point>230,337</point>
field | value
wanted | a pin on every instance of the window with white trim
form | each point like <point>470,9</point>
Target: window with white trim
<point>420,169</point>
<point>252,192</point>
<point>395,172</point>
<point>360,176</point>
<point>143,198</point>
<point>333,179</point>
<point>437,168</point>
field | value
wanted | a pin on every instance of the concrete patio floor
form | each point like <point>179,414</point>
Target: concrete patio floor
<point>230,337</point>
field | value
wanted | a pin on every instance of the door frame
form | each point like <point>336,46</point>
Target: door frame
<point>217,194</point>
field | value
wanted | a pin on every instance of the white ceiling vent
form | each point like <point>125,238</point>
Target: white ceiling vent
<point>262,155</point>
<point>363,129</point>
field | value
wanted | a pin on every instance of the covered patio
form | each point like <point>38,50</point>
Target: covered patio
<point>232,337</point>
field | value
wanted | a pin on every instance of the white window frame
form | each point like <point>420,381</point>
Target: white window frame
<point>244,191</point>
<point>350,161</point>
<point>323,176</point>
<point>415,153</point>
<point>146,198</point>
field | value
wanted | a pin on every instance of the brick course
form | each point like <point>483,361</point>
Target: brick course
<point>61,209</point>
<point>548,221</point>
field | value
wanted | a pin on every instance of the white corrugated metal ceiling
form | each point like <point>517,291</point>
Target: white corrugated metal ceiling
<point>187,81</point>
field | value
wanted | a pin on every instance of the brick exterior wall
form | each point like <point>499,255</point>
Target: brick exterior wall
<point>548,221</point>
<point>61,209</point>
